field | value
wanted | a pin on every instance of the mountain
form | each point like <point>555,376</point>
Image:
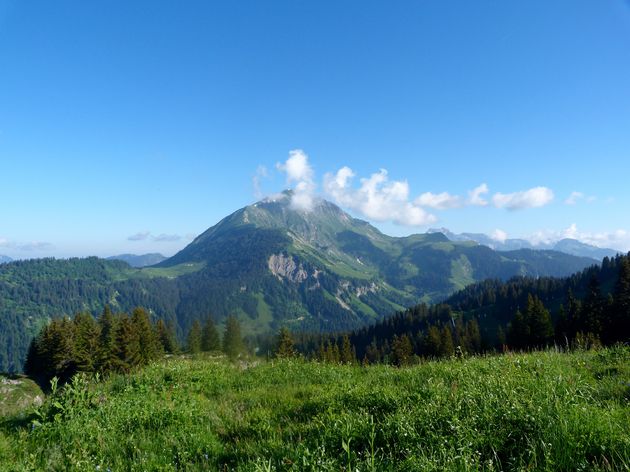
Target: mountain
<point>567,245</point>
<point>271,266</point>
<point>139,261</point>
<point>324,270</point>
<point>4,259</point>
<point>478,318</point>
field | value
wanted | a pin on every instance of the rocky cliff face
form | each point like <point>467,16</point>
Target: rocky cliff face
<point>285,267</point>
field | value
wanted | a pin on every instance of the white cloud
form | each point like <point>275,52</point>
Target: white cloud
<point>141,236</point>
<point>377,198</point>
<point>166,238</point>
<point>29,246</point>
<point>573,198</point>
<point>618,239</point>
<point>35,246</point>
<point>532,198</point>
<point>300,173</point>
<point>439,201</point>
<point>475,195</point>
<point>499,235</point>
<point>160,238</point>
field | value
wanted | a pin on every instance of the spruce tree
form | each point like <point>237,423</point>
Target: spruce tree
<point>619,325</point>
<point>193,341</point>
<point>150,346</point>
<point>402,350</point>
<point>518,331</point>
<point>232,340</point>
<point>446,342</point>
<point>539,320</point>
<point>86,342</point>
<point>107,352</point>
<point>210,340</point>
<point>348,354</point>
<point>285,347</point>
<point>593,308</point>
<point>127,345</point>
<point>432,342</point>
<point>473,336</point>
<point>166,336</point>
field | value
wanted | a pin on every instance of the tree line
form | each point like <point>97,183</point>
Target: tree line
<point>521,314</point>
<point>118,343</point>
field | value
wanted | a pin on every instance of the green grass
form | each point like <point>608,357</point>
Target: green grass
<point>171,272</point>
<point>541,411</point>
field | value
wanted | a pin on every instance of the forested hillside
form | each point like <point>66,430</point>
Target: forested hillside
<point>590,308</point>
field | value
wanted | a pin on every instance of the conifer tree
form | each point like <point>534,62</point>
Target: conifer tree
<point>562,326</point>
<point>473,336</point>
<point>539,320</point>
<point>574,315</point>
<point>285,347</point>
<point>150,346</point>
<point>432,342</point>
<point>402,350</point>
<point>347,354</point>
<point>86,343</point>
<point>193,341</point>
<point>619,325</point>
<point>232,340</point>
<point>446,342</point>
<point>127,345</point>
<point>166,336</point>
<point>593,308</point>
<point>372,352</point>
<point>107,352</point>
<point>518,331</point>
<point>210,340</point>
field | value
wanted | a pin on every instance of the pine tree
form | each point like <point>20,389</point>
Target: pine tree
<point>473,336</point>
<point>193,341</point>
<point>446,342</point>
<point>539,320</point>
<point>232,340</point>
<point>619,325</point>
<point>285,347</point>
<point>107,355</point>
<point>372,352</point>
<point>210,340</point>
<point>574,315</point>
<point>562,326</point>
<point>347,354</point>
<point>86,343</point>
<point>432,342</point>
<point>166,336</point>
<point>402,350</point>
<point>128,349</point>
<point>593,308</point>
<point>518,331</point>
<point>150,346</point>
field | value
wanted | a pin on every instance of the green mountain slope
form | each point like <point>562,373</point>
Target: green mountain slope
<point>270,265</point>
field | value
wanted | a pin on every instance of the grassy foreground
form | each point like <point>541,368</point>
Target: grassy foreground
<point>541,411</point>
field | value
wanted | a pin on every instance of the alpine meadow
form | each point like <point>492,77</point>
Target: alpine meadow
<point>314,236</point>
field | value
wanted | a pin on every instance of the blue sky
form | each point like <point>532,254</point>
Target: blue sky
<point>133,126</point>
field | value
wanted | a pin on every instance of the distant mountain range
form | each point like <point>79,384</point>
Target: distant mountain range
<point>567,246</point>
<point>5,259</point>
<point>270,265</point>
<point>139,261</point>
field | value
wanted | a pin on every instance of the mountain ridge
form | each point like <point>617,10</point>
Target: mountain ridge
<point>565,245</point>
